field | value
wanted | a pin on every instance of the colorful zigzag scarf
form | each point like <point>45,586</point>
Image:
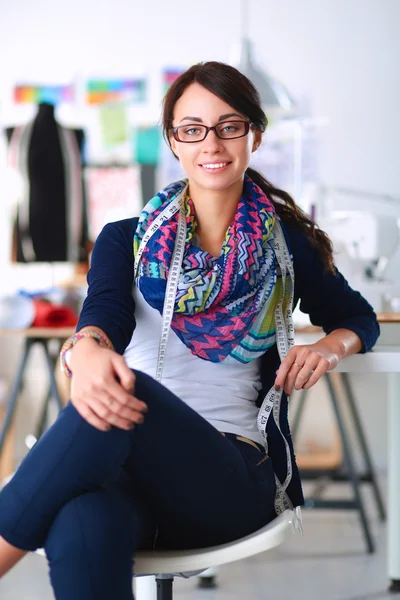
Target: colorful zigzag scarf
<point>224,307</point>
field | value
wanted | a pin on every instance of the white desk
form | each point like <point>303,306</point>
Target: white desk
<point>383,359</point>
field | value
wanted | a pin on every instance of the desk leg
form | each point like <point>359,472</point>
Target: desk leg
<point>13,397</point>
<point>53,384</point>
<point>393,525</point>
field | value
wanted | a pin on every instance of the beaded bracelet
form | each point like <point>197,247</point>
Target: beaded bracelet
<point>71,341</point>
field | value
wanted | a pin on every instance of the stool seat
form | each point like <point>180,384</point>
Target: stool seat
<point>188,562</point>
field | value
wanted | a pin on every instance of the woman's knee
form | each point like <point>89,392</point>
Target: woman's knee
<point>90,548</point>
<point>94,524</point>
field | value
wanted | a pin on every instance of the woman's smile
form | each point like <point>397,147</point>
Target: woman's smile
<point>215,167</point>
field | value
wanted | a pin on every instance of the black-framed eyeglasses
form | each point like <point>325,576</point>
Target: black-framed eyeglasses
<point>194,132</point>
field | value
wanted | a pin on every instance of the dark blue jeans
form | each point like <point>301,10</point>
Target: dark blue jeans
<point>92,498</point>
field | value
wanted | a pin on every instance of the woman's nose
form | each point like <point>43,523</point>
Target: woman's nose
<point>212,143</point>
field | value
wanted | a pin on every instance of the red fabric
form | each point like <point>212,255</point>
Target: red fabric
<point>53,315</point>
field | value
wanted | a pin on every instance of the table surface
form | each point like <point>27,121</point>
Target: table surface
<point>40,332</point>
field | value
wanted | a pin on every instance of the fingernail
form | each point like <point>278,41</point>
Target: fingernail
<point>277,388</point>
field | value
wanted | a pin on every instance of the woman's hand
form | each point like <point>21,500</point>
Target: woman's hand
<point>303,366</point>
<point>102,387</point>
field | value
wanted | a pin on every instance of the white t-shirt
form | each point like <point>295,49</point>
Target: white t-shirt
<point>224,395</point>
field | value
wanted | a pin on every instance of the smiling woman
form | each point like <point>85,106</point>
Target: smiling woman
<point>219,260</point>
<point>207,89</point>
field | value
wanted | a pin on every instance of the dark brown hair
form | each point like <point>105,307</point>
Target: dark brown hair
<point>236,89</point>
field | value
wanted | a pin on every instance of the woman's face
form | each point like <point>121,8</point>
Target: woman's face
<point>230,158</point>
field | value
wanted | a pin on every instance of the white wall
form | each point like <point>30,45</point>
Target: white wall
<point>343,55</point>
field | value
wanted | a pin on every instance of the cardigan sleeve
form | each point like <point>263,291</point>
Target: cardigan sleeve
<point>109,302</point>
<point>327,297</point>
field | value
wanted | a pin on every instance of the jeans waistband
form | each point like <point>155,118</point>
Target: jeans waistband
<point>240,438</point>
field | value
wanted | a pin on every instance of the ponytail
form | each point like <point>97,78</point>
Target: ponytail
<point>290,213</point>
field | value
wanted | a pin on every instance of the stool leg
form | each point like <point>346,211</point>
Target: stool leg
<point>207,579</point>
<point>349,462</point>
<point>164,588</point>
<point>13,397</point>
<point>363,444</point>
<point>145,588</point>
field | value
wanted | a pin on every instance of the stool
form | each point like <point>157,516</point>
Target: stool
<point>350,473</point>
<point>165,565</point>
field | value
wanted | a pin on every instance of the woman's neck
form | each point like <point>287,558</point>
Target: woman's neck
<point>215,211</point>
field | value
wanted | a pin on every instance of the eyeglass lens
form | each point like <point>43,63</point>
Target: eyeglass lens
<point>226,130</point>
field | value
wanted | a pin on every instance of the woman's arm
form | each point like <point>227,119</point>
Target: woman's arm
<point>304,365</point>
<point>346,317</point>
<point>109,302</point>
<point>102,385</point>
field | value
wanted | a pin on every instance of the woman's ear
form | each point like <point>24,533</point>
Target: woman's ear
<point>172,145</point>
<point>257,137</point>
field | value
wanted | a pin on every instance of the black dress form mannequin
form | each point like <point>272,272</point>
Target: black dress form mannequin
<point>48,203</point>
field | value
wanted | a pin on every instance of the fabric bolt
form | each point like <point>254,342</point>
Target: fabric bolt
<point>48,314</point>
<point>225,306</point>
<point>91,498</point>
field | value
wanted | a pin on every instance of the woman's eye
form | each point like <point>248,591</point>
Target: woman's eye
<point>192,131</point>
<point>229,128</point>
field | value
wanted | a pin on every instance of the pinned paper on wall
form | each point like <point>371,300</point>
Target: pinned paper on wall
<point>146,143</point>
<point>113,193</point>
<point>101,91</point>
<point>170,74</point>
<point>35,94</point>
<point>114,124</point>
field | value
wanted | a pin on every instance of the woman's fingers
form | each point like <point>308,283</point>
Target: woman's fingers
<point>110,407</point>
<point>104,411</point>
<point>321,368</point>
<point>106,403</point>
<point>283,371</point>
<point>103,395</point>
<point>291,377</point>
<point>124,373</point>
<point>125,400</point>
<point>300,369</point>
<point>90,416</point>
<point>304,372</point>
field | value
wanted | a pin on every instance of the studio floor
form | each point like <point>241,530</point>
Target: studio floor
<point>328,563</point>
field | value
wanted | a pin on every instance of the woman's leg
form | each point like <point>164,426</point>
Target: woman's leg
<point>91,544</point>
<point>9,556</point>
<point>180,465</point>
<point>70,459</point>
<point>202,488</point>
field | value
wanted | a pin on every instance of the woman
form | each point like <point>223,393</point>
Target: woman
<point>137,459</point>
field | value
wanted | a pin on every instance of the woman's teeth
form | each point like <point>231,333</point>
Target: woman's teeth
<point>215,166</point>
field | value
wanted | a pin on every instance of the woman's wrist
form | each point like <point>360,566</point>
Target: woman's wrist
<point>86,339</point>
<point>340,343</point>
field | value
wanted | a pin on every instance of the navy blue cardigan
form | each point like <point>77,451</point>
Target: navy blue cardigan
<point>327,298</point>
